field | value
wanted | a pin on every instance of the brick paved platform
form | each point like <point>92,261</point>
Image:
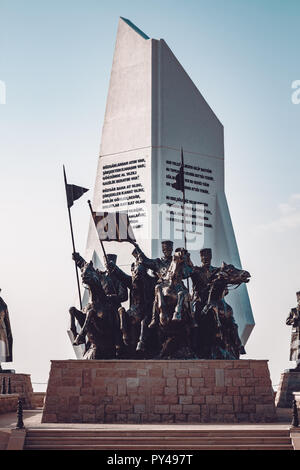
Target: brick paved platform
<point>191,391</point>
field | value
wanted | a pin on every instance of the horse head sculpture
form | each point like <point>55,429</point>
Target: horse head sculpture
<point>233,275</point>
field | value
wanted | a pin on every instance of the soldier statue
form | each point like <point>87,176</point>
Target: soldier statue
<point>216,333</point>
<point>200,278</point>
<point>134,321</point>
<point>294,320</point>
<point>6,339</point>
<point>233,346</point>
<point>159,267</point>
<point>200,292</point>
<point>170,311</point>
<point>106,295</point>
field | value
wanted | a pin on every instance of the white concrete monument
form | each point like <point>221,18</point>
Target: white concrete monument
<point>153,109</point>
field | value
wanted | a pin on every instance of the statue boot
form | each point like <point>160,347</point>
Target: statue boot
<point>155,319</point>
<point>80,339</point>
<point>123,325</point>
<point>176,315</point>
<point>141,345</point>
<point>74,333</point>
<point>178,309</point>
<point>158,306</point>
<point>194,321</point>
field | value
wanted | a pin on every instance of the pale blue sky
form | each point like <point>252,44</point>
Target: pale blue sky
<point>55,60</point>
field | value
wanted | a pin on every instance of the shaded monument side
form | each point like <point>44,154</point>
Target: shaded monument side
<point>182,118</point>
<point>239,300</point>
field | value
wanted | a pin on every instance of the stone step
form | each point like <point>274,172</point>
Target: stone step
<point>125,440</point>
<point>139,439</point>
<point>232,446</point>
<point>159,433</point>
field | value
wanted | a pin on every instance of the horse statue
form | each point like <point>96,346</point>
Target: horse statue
<point>220,339</point>
<point>98,320</point>
<point>172,304</point>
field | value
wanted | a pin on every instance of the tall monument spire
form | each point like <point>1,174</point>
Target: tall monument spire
<point>153,109</point>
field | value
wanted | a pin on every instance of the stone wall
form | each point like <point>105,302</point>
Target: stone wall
<point>8,403</point>
<point>20,384</point>
<point>159,391</point>
<point>289,383</point>
<point>38,399</point>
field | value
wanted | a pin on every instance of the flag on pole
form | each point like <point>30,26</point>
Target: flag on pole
<point>113,226</point>
<point>74,192</point>
<point>179,179</point>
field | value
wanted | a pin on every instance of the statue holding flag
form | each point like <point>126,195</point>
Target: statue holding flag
<point>73,193</point>
<point>99,319</point>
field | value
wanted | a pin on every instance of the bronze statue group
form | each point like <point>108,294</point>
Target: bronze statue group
<point>163,321</point>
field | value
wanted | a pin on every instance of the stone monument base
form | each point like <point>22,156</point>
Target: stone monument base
<point>289,383</point>
<point>21,385</point>
<point>159,391</point>
<point>8,403</point>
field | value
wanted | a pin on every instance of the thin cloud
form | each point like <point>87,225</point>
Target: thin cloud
<point>289,216</point>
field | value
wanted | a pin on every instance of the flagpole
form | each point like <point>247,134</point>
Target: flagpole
<point>72,236</point>
<point>184,220</point>
<point>183,198</point>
